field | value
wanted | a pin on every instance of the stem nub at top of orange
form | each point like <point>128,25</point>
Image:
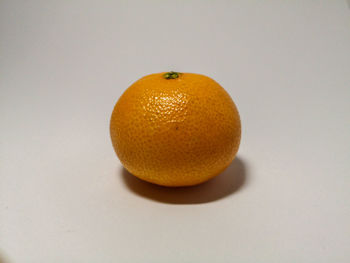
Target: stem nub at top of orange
<point>175,129</point>
<point>171,75</point>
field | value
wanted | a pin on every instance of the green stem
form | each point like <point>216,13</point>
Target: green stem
<point>171,75</point>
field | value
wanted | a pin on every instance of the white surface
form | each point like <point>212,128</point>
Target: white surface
<point>63,195</point>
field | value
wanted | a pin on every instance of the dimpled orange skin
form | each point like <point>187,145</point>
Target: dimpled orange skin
<point>175,132</point>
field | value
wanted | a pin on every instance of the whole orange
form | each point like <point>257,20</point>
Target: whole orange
<point>175,129</point>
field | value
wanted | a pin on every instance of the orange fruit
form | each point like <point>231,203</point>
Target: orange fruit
<point>175,129</point>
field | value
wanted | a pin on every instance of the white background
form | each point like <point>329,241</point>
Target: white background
<point>63,194</point>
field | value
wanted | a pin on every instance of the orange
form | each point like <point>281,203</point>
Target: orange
<point>175,129</point>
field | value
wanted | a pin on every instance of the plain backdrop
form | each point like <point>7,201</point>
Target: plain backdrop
<point>64,196</point>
